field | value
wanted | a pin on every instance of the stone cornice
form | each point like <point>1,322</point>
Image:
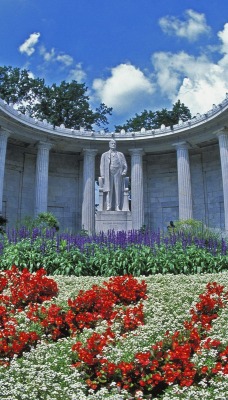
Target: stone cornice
<point>202,129</point>
<point>62,131</point>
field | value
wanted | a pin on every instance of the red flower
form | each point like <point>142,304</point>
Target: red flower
<point>204,369</point>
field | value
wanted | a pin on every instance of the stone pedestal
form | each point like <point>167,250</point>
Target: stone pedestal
<point>117,220</point>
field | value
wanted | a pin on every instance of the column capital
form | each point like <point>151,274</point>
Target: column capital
<point>4,133</point>
<point>44,145</point>
<point>181,145</point>
<point>136,151</point>
<point>222,132</point>
<point>90,152</point>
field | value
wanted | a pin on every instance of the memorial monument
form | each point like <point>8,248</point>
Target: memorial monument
<point>180,172</point>
<point>113,212</point>
<point>113,169</point>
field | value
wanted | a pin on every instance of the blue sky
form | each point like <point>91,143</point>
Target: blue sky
<point>131,54</point>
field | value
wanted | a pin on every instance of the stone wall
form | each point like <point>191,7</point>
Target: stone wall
<point>64,190</point>
<point>212,183</point>
<point>161,188</point>
<point>63,187</point>
<point>161,197</point>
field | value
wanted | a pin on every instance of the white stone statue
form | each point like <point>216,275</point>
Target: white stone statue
<point>113,168</point>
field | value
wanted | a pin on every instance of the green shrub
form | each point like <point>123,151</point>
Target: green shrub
<point>195,228</point>
<point>47,220</point>
<point>44,220</point>
<point>40,253</point>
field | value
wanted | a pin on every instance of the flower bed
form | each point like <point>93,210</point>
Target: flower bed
<point>102,341</point>
<point>136,252</point>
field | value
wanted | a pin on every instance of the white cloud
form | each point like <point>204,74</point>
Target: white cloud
<point>47,55</point>
<point>196,81</point>
<point>201,94</point>
<point>28,46</point>
<point>126,88</point>
<point>223,36</point>
<point>77,74</point>
<point>171,68</point>
<point>51,56</point>
<point>191,28</point>
<point>65,59</point>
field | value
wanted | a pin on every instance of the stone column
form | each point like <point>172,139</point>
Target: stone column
<point>184,182</point>
<point>137,206</point>
<point>41,182</point>
<point>3,145</point>
<point>223,146</point>
<point>88,200</point>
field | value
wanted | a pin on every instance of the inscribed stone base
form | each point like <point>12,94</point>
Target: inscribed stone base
<point>117,220</point>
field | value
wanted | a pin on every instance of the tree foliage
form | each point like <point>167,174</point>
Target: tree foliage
<point>66,103</point>
<point>154,119</point>
<point>19,87</point>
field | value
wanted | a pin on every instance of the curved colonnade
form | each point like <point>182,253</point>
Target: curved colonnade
<point>176,173</point>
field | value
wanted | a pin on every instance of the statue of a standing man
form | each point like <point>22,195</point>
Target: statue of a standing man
<point>113,168</point>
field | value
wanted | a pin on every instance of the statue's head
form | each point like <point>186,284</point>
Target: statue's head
<point>112,144</point>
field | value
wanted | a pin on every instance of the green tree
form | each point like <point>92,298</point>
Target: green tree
<point>19,87</point>
<point>154,120</point>
<point>144,120</point>
<point>163,117</point>
<point>180,112</point>
<point>67,103</point>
